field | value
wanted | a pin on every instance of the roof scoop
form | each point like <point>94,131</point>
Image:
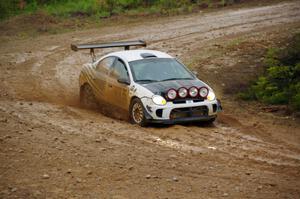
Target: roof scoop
<point>147,55</point>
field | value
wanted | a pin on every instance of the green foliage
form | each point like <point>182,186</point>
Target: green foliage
<point>281,83</point>
<point>67,8</point>
<point>102,8</point>
<point>8,8</point>
<point>271,57</point>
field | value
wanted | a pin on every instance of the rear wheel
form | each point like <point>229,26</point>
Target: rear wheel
<point>87,97</point>
<point>137,113</point>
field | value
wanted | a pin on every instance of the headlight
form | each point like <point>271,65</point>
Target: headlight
<point>193,91</point>
<point>182,92</point>
<point>172,94</point>
<point>211,96</point>
<point>203,92</point>
<point>159,100</point>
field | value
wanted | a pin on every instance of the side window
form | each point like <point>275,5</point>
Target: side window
<point>105,64</point>
<point>119,70</point>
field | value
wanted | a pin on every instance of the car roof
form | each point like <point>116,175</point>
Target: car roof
<point>133,55</point>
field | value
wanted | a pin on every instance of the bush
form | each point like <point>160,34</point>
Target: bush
<point>281,83</point>
<point>8,8</point>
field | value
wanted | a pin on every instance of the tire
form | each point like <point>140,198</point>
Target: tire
<point>137,113</point>
<point>87,97</point>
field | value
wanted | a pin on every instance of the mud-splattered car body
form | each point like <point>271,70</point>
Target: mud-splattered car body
<point>151,86</point>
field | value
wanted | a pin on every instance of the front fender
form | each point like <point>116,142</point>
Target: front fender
<point>136,90</point>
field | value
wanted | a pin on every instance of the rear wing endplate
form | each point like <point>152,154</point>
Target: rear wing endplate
<point>125,44</point>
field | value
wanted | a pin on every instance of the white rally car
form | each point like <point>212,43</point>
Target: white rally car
<point>149,86</point>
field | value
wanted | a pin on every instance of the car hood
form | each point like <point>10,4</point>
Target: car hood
<point>160,88</point>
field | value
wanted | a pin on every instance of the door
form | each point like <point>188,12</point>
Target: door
<point>118,85</point>
<point>101,76</point>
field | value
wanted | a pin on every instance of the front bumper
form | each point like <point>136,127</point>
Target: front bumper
<point>189,111</point>
<point>183,120</point>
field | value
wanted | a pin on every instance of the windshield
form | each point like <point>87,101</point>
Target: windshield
<point>158,69</point>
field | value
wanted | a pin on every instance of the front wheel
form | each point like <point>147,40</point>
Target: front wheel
<point>137,113</point>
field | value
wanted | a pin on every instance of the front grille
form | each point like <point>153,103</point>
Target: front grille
<point>183,101</point>
<point>179,101</point>
<point>189,112</point>
<point>198,100</point>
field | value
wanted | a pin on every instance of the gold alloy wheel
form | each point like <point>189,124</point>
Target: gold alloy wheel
<point>137,113</point>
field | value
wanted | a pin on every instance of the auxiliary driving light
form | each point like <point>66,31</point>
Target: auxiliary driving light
<point>203,92</point>
<point>172,94</point>
<point>182,92</point>
<point>193,91</point>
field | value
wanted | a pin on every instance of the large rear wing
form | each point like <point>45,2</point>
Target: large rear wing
<point>125,44</point>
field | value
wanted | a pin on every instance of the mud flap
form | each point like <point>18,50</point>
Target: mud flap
<point>219,106</point>
<point>147,115</point>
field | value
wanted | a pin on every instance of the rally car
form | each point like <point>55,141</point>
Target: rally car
<point>150,86</point>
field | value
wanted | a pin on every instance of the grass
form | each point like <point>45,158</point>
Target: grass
<point>235,42</point>
<point>104,8</point>
<point>38,17</point>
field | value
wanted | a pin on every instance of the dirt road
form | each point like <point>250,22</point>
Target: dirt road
<point>50,148</point>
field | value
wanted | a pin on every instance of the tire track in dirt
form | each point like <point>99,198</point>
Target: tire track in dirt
<point>193,139</point>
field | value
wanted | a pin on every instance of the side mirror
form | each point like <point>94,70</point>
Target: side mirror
<point>195,72</point>
<point>124,81</point>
